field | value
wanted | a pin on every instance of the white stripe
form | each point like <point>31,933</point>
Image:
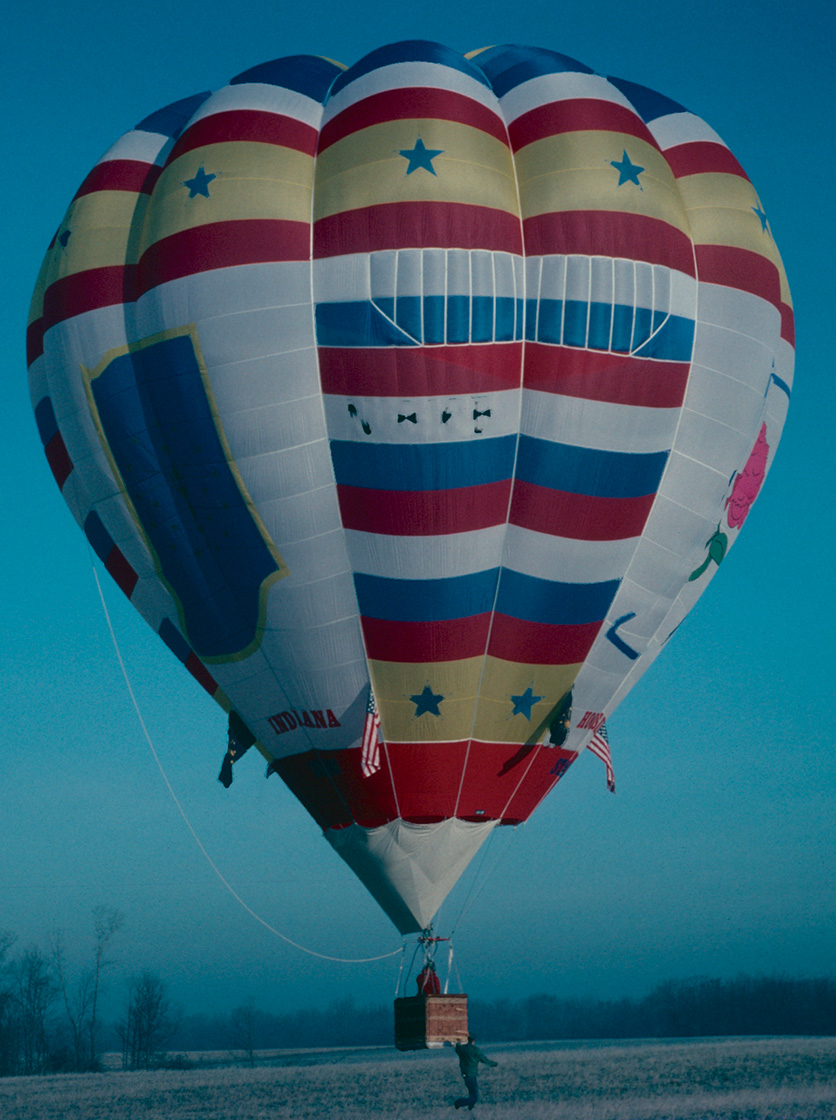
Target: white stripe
<point>559,87</point>
<point>405,75</point>
<point>432,557</point>
<point>265,98</point>
<point>568,561</point>
<point>413,272</point>
<point>597,424</point>
<point>630,283</point>
<point>382,414</point>
<point>144,147</point>
<point>682,128</point>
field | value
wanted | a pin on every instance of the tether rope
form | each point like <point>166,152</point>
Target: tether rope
<point>187,822</point>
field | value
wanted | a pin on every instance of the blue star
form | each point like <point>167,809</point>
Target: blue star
<point>627,172</point>
<point>523,704</point>
<point>420,156</point>
<point>762,217</point>
<point>64,238</point>
<point>427,701</point>
<point>199,184</point>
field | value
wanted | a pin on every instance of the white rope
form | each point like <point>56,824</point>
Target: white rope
<point>473,895</point>
<point>182,812</point>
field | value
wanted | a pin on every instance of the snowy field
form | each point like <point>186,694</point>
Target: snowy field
<point>718,1079</point>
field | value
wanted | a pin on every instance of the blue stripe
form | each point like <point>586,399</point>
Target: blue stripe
<point>422,466</point>
<point>426,600</point>
<point>45,419</point>
<point>410,50</point>
<point>520,596</point>
<point>558,604</point>
<point>647,102</point>
<point>586,470</point>
<point>566,323</point>
<point>303,73</point>
<point>175,641</point>
<point>359,323</point>
<point>389,322</point>
<point>510,66</point>
<point>99,538</point>
<point>160,430</point>
<point>171,120</point>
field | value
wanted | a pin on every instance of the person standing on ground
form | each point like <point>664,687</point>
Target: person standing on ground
<point>470,1056</point>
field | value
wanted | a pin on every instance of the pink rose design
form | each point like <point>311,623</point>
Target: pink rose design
<point>748,483</point>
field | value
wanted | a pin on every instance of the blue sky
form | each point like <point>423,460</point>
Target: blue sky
<point>717,853</point>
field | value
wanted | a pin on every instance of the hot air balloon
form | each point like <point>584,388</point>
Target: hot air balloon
<point>414,404</point>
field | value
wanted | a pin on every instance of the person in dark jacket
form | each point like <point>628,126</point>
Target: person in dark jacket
<point>470,1056</point>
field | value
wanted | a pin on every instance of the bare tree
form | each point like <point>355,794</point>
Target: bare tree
<point>243,1023</point>
<point>8,1019</point>
<point>106,922</point>
<point>34,992</point>
<point>148,1023</point>
<point>81,997</point>
<point>76,998</point>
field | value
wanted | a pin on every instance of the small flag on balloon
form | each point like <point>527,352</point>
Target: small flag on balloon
<point>599,744</point>
<point>370,752</point>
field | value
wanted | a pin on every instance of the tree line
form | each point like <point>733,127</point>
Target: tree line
<point>50,1017</point>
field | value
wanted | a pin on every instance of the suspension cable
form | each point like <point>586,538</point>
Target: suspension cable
<point>182,812</point>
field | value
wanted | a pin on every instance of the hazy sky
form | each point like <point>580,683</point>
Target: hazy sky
<point>717,853</point>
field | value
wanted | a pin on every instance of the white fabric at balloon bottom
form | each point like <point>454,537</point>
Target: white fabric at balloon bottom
<point>410,868</point>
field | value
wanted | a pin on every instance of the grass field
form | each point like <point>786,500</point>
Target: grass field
<point>718,1079</point>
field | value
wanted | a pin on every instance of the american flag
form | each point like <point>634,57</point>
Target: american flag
<point>370,752</point>
<point>599,744</point>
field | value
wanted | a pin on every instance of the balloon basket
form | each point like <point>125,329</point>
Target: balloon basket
<point>427,1022</point>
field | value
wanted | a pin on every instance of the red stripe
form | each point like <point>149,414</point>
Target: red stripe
<point>739,268</point>
<point>223,245</point>
<point>59,459</point>
<point>420,103</point>
<point>406,225</point>
<point>420,371</point>
<point>788,324</point>
<point>415,642</point>
<point>120,175</point>
<point>121,571</point>
<point>540,643</point>
<point>597,376</point>
<point>332,787</point>
<point>609,233</point>
<point>406,513</point>
<point>580,114</point>
<point>248,125</point>
<point>702,156</point>
<point>508,782</point>
<point>86,291</point>
<point>201,674</point>
<point>34,340</point>
<point>579,517</point>
<point>501,781</point>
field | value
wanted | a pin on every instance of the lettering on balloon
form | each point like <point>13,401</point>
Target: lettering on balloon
<point>316,718</point>
<point>592,720</point>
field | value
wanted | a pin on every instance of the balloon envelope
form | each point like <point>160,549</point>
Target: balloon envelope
<point>414,405</point>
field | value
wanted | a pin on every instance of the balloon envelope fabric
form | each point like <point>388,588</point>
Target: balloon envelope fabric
<point>414,405</point>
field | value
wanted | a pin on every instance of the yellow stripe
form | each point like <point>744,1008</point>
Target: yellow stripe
<point>481,685</point>
<point>721,209</point>
<point>367,169</point>
<point>495,722</point>
<point>100,226</point>
<point>573,171</point>
<point>251,181</point>
<point>479,50</point>
<point>45,278</point>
